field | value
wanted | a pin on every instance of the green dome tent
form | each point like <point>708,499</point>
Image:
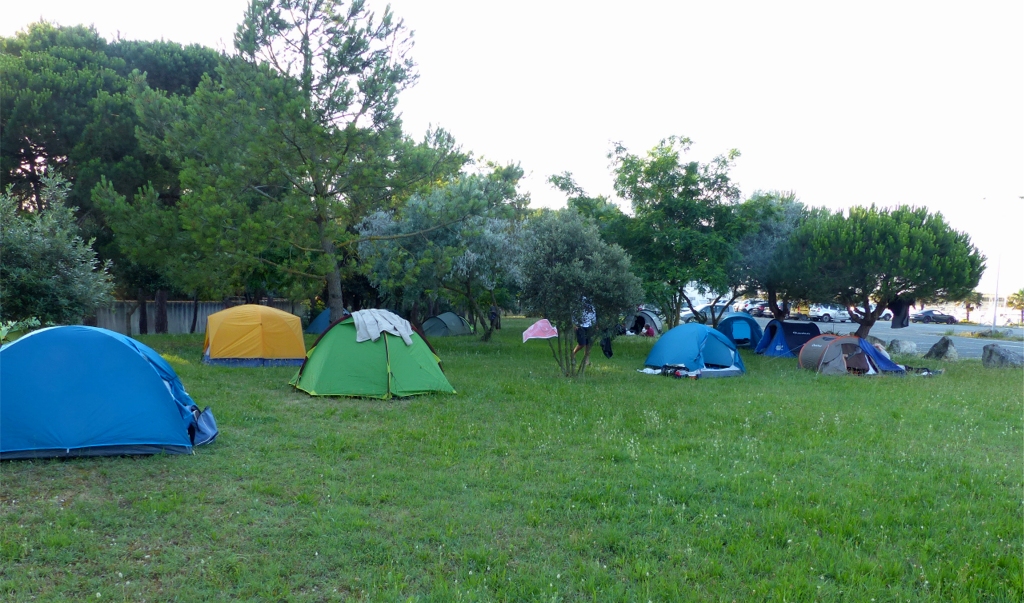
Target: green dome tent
<point>446,324</point>
<point>339,366</point>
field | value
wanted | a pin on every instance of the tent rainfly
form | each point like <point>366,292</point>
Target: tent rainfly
<point>697,347</point>
<point>86,391</point>
<point>446,324</point>
<point>641,318</point>
<point>253,335</point>
<point>845,354</point>
<point>382,367</point>
<point>786,339</point>
<point>741,328</point>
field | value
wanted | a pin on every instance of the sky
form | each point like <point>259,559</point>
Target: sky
<point>844,104</point>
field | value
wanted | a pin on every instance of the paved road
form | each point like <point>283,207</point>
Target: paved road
<point>925,335</point>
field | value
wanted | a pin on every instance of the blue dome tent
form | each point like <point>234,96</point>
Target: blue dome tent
<point>785,339</point>
<point>741,328</point>
<point>85,391</point>
<point>322,321</point>
<point>697,347</point>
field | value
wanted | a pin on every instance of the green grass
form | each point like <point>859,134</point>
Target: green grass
<point>777,486</point>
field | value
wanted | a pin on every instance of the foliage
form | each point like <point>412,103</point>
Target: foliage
<point>763,261</point>
<point>56,82</point>
<point>47,271</point>
<point>971,301</point>
<point>299,142</point>
<point>150,234</point>
<point>686,225</point>
<point>525,487</point>
<point>565,261</point>
<point>67,103</point>
<point>10,328</point>
<point>609,218</point>
<point>1016,301</point>
<point>875,255</point>
<point>453,242</point>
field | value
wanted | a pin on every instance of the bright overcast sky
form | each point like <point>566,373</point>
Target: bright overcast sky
<point>843,103</point>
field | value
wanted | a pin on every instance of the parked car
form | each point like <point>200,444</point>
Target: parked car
<point>886,314</point>
<point>760,309</point>
<point>687,316</point>
<point>746,304</point>
<point>828,313</point>
<point>933,316</point>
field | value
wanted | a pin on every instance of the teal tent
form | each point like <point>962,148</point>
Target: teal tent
<point>85,391</point>
<point>697,347</point>
<point>741,328</point>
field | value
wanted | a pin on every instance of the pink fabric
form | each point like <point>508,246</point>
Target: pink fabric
<point>541,329</point>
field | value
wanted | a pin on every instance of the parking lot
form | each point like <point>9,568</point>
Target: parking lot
<point>925,335</point>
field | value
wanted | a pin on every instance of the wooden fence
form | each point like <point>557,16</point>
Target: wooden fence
<point>179,315</point>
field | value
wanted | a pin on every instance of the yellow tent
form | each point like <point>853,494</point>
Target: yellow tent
<point>253,335</point>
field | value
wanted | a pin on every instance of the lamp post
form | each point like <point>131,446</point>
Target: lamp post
<point>995,302</point>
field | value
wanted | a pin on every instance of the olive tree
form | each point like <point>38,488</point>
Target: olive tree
<point>568,269</point>
<point>456,242</point>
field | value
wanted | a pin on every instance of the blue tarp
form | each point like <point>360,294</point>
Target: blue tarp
<point>320,323</point>
<point>883,363</point>
<point>741,328</point>
<point>85,391</point>
<point>696,347</point>
<point>785,339</point>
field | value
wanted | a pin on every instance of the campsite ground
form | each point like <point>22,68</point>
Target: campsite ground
<point>780,485</point>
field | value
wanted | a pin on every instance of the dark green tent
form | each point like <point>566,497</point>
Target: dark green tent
<point>338,366</point>
<point>445,324</point>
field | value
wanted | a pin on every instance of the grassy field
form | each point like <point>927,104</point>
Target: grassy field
<point>776,486</point>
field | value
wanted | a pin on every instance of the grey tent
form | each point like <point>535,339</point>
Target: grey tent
<point>641,318</point>
<point>445,324</point>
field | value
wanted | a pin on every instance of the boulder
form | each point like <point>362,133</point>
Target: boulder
<point>875,341</point>
<point>943,350</point>
<point>996,356</point>
<point>902,346</point>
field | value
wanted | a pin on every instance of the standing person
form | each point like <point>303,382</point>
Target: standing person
<point>493,316</point>
<point>585,330</point>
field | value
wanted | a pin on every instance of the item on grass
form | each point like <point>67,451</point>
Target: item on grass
<point>542,329</point>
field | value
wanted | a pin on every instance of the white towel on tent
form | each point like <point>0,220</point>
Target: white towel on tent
<point>370,324</point>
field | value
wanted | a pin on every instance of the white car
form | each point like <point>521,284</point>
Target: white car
<point>720,310</point>
<point>746,304</point>
<point>828,313</point>
<point>886,314</point>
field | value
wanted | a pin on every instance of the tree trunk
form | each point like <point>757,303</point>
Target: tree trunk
<point>128,311</point>
<point>143,318</point>
<point>195,313</point>
<point>497,311</point>
<point>161,311</point>
<point>487,326</point>
<point>335,295</point>
<point>773,304</point>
